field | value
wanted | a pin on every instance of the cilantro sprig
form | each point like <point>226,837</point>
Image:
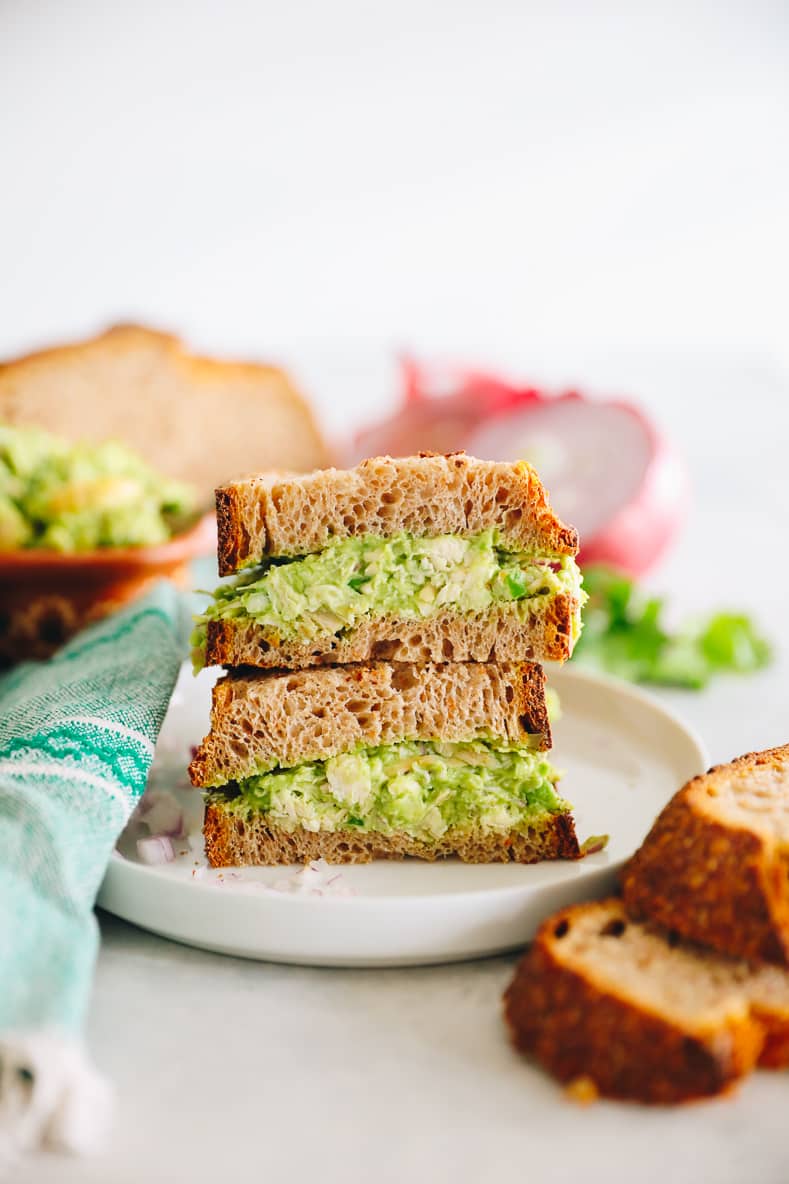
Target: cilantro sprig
<point>625,634</point>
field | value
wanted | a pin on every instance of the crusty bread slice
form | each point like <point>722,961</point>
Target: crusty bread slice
<point>197,419</point>
<point>234,842</point>
<point>276,514</point>
<point>640,1013</point>
<point>259,720</point>
<point>499,635</point>
<point>715,865</point>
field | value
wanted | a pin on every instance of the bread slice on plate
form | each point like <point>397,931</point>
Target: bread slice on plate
<point>635,1012</point>
<point>259,721</point>
<point>543,633</point>
<point>199,419</point>
<point>715,865</point>
<point>427,558</point>
<point>275,514</point>
<point>360,763</point>
<point>259,841</point>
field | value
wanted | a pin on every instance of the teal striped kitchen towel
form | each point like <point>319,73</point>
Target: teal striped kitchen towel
<point>77,736</point>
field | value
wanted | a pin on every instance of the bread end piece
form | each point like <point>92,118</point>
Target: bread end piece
<point>560,1011</point>
<point>715,874</point>
<point>234,842</point>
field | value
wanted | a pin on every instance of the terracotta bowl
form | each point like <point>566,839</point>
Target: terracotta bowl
<point>46,596</point>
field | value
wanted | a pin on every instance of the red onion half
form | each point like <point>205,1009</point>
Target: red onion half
<point>608,469</point>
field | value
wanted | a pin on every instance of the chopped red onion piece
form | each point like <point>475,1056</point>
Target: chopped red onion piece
<point>316,878</point>
<point>160,812</point>
<point>156,850</point>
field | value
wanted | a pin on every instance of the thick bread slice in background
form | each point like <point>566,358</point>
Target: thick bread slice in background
<point>640,1013</point>
<point>234,842</point>
<point>493,636</point>
<point>275,514</point>
<point>197,419</point>
<point>258,720</point>
<point>715,865</point>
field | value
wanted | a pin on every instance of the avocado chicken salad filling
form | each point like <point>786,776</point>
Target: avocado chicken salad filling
<point>67,497</point>
<point>403,576</point>
<point>421,788</point>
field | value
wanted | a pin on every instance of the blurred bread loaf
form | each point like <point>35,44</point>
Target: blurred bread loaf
<point>198,419</point>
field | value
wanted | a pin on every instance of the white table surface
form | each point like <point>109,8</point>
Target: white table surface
<point>232,1070</point>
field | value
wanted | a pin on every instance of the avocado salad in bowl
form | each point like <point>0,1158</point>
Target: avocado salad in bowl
<point>84,527</point>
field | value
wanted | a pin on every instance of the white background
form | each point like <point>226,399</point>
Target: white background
<point>496,177</point>
<point>592,193</point>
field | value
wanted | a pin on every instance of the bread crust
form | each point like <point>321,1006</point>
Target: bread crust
<point>262,719</point>
<point>775,1050</point>
<point>277,514</point>
<point>722,884</point>
<point>233,842</point>
<point>497,635</point>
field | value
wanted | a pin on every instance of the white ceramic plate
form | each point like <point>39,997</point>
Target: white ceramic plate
<point>623,755</point>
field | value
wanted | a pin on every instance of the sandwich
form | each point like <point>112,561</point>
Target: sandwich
<point>427,559</point>
<point>629,1010</point>
<point>382,760</point>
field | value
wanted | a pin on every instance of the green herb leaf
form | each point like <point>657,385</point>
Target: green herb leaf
<point>594,844</point>
<point>357,582</point>
<point>516,583</point>
<point>624,633</point>
<point>730,642</point>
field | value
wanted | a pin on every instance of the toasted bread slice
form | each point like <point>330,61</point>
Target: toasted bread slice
<point>546,634</point>
<point>715,865</point>
<point>276,514</point>
<point>197,419</point>
<point>234,842</point>
<point>639,1012</point>
<point>262,720</point>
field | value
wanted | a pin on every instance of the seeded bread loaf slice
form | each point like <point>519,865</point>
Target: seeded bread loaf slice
<point>261,720</point>
<point>198,419</point>
<point>715,865</point>
<point>641,1014</point>
<point>277,514</point>
<point>496,635</point>
<point>231,841</point>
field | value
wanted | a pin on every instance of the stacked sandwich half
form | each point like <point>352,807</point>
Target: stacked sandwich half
<point>381,633</point>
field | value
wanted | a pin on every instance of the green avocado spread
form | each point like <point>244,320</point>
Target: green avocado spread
<point>420,788</point>
<point>404,576</point>
<point>76,497</point>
